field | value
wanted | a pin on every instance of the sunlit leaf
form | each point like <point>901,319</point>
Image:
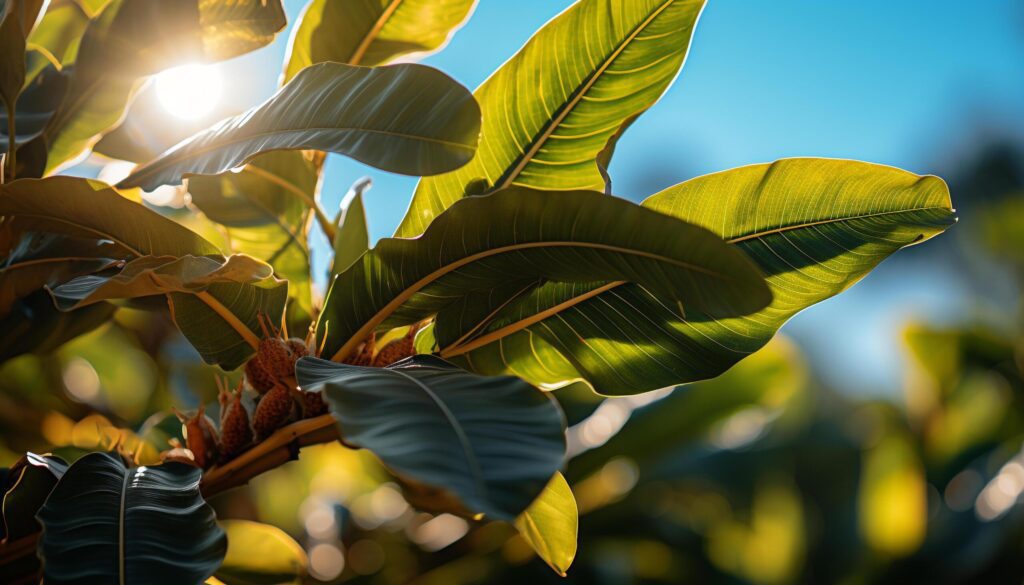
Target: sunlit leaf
<point>352,239</point>
<point>550,524</point>
<point>222,322</point>
<point>144,37</point>
<point>813,226</point>
<point>372,32</point>
<point>467,271</point>
<point>106,523</point>
<point>406,119</point>
<point>56,37</point>
<point>553,108</point>
<point>491,443</point>
<point>260,554</point>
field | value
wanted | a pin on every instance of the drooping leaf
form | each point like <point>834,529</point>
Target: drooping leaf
<point>55,39</point>
<point>221,322</point>
<point>46,259</point>
<point>550,524</point>
<point>144,37</point>
<point>29,482</point>
<point>407,119</point>
<point>814,227</point>
<point>552,109</point>
<point>372,32</point>
<point>266,209</point>
<point>160,275</point>
<point>352,239</point>
<point>576,236</point>
<point>17,17</point>
<point>106,523</point>
<point>491,443</point>
<point>260,554</point>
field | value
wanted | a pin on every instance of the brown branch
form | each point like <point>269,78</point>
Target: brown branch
<point>276,450</point>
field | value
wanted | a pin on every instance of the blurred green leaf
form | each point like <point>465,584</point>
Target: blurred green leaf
<point>260,554</point>
<point>482,445</point>
<point>106,523</point>
<point>372,32</point>
<point>35,325</point>
<point>369,114</point>
<point>813,226</point>
<point>470,272</point>
<point>558,105</point>
<point>221,322</point>
<point>550,524</point>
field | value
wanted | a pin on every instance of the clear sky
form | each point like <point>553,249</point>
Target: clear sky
<point>902,82</point>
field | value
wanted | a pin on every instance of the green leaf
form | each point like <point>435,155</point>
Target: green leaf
<point>143,37</point>
<point>160,275</point>
<point>372,32</point>
<point>552,109</point>
<point>260,554</point>
<point>222,322</point>
<point>407,119</point>
<point>266,209</point>
<point>44,259</point>
<point>39,99</point>
<point>353,237</point>
<point>29,482</point>
<point>106,523</point>
<point>17,17</point>
<point>550,524</point>
<point>56,38</point>
<point>491,443</point>
<point>813,226</point>
<point>466,271</point>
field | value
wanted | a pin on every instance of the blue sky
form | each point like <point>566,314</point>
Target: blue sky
<point>906,83</point>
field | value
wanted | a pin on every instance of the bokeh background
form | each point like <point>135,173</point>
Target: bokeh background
<point>877,440</point>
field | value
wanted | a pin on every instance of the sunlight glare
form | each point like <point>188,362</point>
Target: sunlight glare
<point>189,91</point>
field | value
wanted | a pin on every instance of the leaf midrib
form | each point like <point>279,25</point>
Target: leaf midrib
<point>371,35</point>
<point>498,334</point>
<point>538,142</point>
<point>415,287</point>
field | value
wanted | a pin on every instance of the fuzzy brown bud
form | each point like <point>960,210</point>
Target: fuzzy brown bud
<point>200,437</point>
<point>273,411</point>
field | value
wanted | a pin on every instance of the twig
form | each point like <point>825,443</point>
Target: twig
<point>277,449</point>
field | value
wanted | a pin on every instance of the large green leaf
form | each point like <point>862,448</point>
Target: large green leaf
<point>144,37</point>
<point>466,270</point>
<point>408,119</point>
<point>260,554</point>
<point>372,32</point>
<point>17,17</point>
<point>814,227</point>
<point>266,209</point>
<point>106,523</point>
<point>491,443</point>
<point>222,322</point>
<point>160,275</point>
<point>562,100</point>
<point>550,525</point>
<point>56,37</point>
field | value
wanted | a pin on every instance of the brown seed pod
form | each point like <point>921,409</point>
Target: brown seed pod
<point>273,411</point>
<point>200,437</point>
<point>179,455</point>
<point>235,433</point>
<point>275,359</point>
<point>397,350</point>
<point>313,404</point>
<point>364,355</point>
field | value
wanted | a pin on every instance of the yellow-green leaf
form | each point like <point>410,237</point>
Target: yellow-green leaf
<point>550,524</point>
<point>260,554</point>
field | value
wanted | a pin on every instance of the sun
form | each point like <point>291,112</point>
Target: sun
<point>189,92</point>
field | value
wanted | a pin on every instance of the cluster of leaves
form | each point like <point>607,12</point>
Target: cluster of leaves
<point>520,267</point>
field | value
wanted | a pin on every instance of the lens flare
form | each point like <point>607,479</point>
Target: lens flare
<point>189,92</point>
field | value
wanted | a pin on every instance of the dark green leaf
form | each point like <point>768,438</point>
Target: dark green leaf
<point>105,523</point>
<point>34,325</point>
<point>352,239</point>
<point>222,322</point>
<point>408,119</point>
<point>29,482</point>
<point>492,443</point>
<point>372,32</point>
<point>17,17</point>
<point>562,100</point>
<point>573,236</point>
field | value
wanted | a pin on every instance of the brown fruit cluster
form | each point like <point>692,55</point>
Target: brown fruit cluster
<point>235,432</point>
<point>398,349</point>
